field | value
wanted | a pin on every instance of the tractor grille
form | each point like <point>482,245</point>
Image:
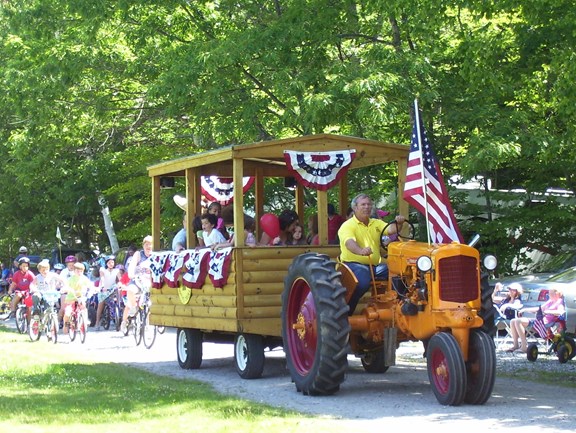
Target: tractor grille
<point>458,279</point>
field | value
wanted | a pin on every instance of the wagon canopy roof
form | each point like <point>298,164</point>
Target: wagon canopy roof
<point>268,156</point>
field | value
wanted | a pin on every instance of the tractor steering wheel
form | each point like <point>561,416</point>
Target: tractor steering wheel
<point>386,239</point>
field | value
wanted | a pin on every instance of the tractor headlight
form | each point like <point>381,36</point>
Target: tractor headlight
<point>424,263</point>
<point>490,262</point>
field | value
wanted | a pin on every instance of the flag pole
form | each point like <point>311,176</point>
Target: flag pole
<point>424,187</point>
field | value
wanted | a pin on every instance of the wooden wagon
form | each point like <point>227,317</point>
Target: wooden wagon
<point>247,308</point>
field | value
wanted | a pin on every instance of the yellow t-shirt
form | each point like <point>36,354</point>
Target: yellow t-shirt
<point>365,236</point>
<point>78,286</point>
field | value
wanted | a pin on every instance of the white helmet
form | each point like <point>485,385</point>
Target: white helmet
<point>23,250</point>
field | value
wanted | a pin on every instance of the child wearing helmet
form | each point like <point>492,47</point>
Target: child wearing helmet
<point>140,279</point>
<point>20,285</point>
<point>79,287</point>
<point>44,283</point>
<point>108,280</point>
<point>66,273</point>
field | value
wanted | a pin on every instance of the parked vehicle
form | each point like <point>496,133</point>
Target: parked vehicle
<point>542,270</point>
<point>296,296</point>
<point>536,293</point>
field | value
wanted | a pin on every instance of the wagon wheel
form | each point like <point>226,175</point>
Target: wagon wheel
<point>249,355</point>
<point>446,369</point>
<point>189,348</point>
<point>315,325</point>
<point>386,239</point>
<point>569,341</point>
<point>480,368</point>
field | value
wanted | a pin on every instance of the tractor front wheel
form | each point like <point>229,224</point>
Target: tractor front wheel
<point>375,361</point>
<point>480,368</point>
<point>446,369</point>
<point>315,325</point>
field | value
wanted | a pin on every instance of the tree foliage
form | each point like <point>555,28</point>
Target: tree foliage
<point>96,90</point>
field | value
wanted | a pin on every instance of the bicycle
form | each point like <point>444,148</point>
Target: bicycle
<point>78,322</point>
<point>139,323</point>
<point>111,310</point>
<point>45,320</point>
<point>21,310</point>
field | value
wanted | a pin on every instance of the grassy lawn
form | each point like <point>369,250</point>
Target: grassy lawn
<point>44,389</point>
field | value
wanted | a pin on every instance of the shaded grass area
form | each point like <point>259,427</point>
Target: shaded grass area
<point>45,389</point>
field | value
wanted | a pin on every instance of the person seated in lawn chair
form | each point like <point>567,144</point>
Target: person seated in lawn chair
<point>508,308</point>
<point>552,310</point>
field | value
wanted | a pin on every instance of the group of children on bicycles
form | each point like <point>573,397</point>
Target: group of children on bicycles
<point>73,285</point>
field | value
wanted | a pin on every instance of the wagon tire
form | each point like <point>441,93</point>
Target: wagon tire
<point>315,327</point>
<point>249,355</point>
<point>189,348</point>
<point>446,369</point>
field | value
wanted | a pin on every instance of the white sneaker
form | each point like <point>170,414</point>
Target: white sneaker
<point>123,328</point>
<point>98,328</point>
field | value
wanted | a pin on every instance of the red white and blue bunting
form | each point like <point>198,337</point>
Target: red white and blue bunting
<point>221,189</point>
<point>319,170</point>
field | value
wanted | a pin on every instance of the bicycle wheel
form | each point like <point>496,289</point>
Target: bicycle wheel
<point>34,328</point>
<point>148,331</point>
<point>52,327</point>
<point>72,326</point>
<point>82,325</point>
<point>21,323</point>
<point>138,326</point>
<point>117,316</point>
<point>105,320</point>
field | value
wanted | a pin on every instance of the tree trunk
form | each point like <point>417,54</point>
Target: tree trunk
<point>108,226</point>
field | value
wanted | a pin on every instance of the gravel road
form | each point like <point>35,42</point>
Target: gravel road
<point>400,398</point>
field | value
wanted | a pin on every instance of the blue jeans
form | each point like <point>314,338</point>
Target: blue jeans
<point>364,277</point>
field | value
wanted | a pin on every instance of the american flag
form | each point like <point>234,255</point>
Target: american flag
<point>539,325</point>
<point>435,203</point>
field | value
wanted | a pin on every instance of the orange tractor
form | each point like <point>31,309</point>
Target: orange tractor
<point>433,294</point>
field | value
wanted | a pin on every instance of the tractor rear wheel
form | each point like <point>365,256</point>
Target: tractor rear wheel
<point>480,368</point>
<point>446,369</point>
<point>487,310</point>
<point>315,325</point>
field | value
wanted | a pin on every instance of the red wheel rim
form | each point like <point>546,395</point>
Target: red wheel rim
<point>440,375</point>
<point>301,326</point>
